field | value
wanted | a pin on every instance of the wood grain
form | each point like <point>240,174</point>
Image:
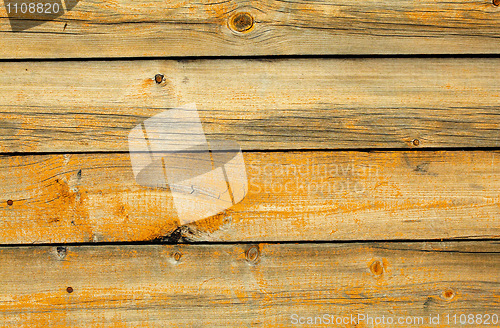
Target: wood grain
<point>271,104</point>
<point>132,28</point>
<point>245,285</point>
<point>292,196</point>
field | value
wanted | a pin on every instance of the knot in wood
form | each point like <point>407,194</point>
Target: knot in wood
<point>241,22</point>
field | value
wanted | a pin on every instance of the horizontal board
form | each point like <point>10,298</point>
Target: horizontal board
<point>250,285</point>
<point>132,28</point>
<point>291,196</point>
<point>271,104</point>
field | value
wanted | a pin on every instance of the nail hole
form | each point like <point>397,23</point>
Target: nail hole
<point>10,202</point>
<point>177,256</point>
<point>69,290</point>
<point>241,22</point>
<point>159,78</point>
<point>415,142</point>
<point>252,254</point>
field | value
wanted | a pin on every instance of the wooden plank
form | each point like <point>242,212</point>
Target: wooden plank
<point>247,285</point>
<point>292,196</point>
<point>180,28</point>
<point>272,104</point>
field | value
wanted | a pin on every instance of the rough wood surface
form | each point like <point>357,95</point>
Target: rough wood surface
<point>246,285</point>
<point>292,196</point>
<point>272,104</point>
<point>184,28</point>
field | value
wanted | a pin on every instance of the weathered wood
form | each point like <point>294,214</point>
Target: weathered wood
<point>246,286</point>
<point>179,28</point>
<point>292,196</point>
<point>277,104</point>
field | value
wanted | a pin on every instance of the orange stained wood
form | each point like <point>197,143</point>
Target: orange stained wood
<point>123,285</point>
<point>324,187</point>
<point>327,195</point>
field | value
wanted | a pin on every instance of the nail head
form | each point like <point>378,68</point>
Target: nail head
<point>376,268</point>
<point>448,294</point>
<point>61,251</point>
<point>159,78</point>
<point>177,256</point>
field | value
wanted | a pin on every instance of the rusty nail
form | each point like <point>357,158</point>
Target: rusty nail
<point>496,3</point>
<point>69,289</point>
<point>416,142</point>
<point>159,78</point>
<point>10,202</point>
<point>241,22</point>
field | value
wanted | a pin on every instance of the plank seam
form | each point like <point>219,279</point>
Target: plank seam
<point>256,58</point>
<point>286,242</point>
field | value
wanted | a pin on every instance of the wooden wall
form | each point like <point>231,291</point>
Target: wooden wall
<point>370,133</point>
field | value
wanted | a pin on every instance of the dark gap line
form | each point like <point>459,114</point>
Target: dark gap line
<point>369,150</point>
<point>277,242</point>
<point>285,150</point>
<point>255,57</point>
